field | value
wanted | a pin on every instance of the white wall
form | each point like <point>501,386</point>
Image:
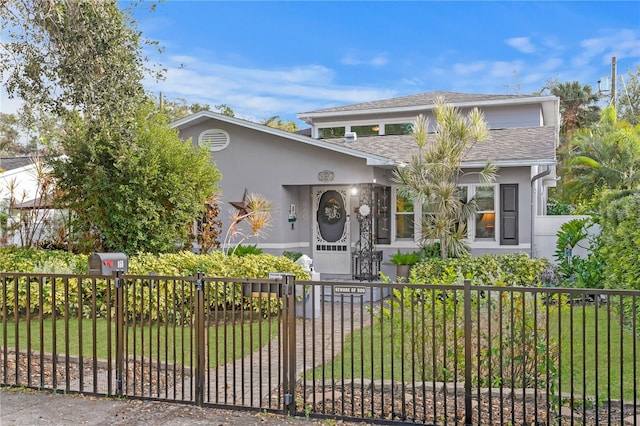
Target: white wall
<point>546,229</point>
<point>23,181</point>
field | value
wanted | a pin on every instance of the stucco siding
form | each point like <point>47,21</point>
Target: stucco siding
<point>272,166</point>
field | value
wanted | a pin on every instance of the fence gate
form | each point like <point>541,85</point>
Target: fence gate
<point>207,341</point>
<point>221,342</point>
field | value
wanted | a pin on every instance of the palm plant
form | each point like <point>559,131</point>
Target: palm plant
<point>256,214</point>
<point>577,105</point>
<point>434,171</point>
<point>606,155</point>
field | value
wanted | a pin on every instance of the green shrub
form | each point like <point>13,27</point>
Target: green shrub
<point>407,258</point>
<point>506,269</point>
<point>174,296</point>
<point>241,250</point>
<point>293,255</point>
<point>513,340</point>
<point>558,208</point>
<point>620,222</point>
<point>577,271</point>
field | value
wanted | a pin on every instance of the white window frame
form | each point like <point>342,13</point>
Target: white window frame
<point>394,213</point>
<point>471,223</point>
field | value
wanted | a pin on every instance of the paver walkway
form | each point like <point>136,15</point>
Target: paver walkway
<point>250,381</point>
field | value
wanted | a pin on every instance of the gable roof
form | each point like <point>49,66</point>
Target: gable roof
<point>504,147</point>
<point>426,101</point>
<point>202,116</point>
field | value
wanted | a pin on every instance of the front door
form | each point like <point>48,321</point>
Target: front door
<point>331,241</point>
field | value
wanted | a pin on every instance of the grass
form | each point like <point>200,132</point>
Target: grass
<point>169,343</point>
<point>371,351</point>
<point>589,363</point>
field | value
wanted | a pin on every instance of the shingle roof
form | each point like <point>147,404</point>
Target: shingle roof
<point>528,144</point>
<point>14,162</point>
<point>428,98</point>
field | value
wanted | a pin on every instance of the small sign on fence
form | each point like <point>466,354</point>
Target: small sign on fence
<point>349,289</point>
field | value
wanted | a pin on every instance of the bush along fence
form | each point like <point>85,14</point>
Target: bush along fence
<point>382,352</point>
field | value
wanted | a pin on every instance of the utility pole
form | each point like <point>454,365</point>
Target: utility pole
<point>613,81</point>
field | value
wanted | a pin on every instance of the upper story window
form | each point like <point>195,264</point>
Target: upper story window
<point>214,139</point>
<point>331,132</point>
<point>369,130</point>
<point>397,129</point>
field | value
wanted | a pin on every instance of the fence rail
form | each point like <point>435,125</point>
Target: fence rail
<point>384,352</point>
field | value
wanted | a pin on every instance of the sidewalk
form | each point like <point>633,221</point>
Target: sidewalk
<point>25,407</point>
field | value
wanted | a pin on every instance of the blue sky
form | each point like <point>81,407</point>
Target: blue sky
<point>281,58</point>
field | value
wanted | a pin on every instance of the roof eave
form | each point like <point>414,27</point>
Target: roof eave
<point>309,116</point>
<point>510,163</point>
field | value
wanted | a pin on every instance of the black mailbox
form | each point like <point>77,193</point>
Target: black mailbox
<point>107,263</point>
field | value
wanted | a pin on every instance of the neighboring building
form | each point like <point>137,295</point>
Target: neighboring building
<point>26,216</point>
<point>318,183</point>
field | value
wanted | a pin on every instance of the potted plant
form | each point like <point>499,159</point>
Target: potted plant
<point>403,262</point>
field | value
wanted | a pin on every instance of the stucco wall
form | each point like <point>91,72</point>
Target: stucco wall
<point>546,230</point>
<point>283,172</point>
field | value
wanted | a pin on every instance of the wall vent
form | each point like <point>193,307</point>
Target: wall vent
<point>214,139</point>
<point>350,137</point>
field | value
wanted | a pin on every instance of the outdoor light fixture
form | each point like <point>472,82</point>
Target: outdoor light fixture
<point>354,190</point>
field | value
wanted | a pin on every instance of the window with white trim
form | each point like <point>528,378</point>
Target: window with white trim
<point>485,216</point>
<point>405,222</point>
<point>480,227</point>
<point>214,139</point>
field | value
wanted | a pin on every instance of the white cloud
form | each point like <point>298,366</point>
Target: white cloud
<point>523,44</point>
<point>504,69</point>
<point>377,60</point>
<point>621,43</point>
<point>467,69</point>
<point>255,92</point>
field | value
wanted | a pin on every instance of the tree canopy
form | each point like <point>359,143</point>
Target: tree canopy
<point>604,156</point>
<point>130,182</point>
<point>72,55</point>
<point>629,97</point>
<point>137,195</point>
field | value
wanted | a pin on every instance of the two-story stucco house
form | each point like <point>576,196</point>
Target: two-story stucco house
<point>318,183</point>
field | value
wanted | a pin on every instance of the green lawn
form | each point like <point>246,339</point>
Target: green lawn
<point>591,359</point>
<point>172,343</point>
<point>375,351</point>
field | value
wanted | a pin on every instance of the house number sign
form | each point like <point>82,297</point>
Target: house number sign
<point>325,176</point>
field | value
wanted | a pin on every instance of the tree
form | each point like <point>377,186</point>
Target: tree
<point>180,108</point>
<point>9,136</point>
<point>142,196</point>
<point>629,97</point>
<point>40,138</point>
<point>129,181</point>
<point>606,155</point>
<point>225,109</point>
<point>69,55</point>
<point>577,105</point>
<point>434,171</point>
<point>277,123</point>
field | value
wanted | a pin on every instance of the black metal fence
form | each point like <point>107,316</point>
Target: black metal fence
<point>382,352</point>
